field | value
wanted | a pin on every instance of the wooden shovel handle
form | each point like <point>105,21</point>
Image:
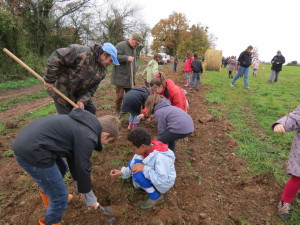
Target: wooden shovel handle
<point>38,76</point>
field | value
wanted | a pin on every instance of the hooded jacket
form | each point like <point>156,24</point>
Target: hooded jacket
<point>159,167</point>
<point>188,65</point>
<point>277,59</point>
<point>151,70</point>
<point>172,119</point>
<point>175,94</point>
<point>72,136</point>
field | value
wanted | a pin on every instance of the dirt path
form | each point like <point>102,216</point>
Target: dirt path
<point>213,185</point>
<point>20,92</point>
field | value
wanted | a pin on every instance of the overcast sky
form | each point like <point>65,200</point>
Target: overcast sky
<point>268,25</point>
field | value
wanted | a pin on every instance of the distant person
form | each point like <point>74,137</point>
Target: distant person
<point>244,61</point>
<point>40,149</point>
<point>289,123</point>
<point>197,70</point>
<point>188,68</point>
<point>123,76</point>
<point>176,61</point>
<point>133,102</point>
<point>231,64</point>
<point>151,168</point>
<point>172,122</point>
<point>76,71</point>
<point>255,65</point>
<point>152,69</point>
<point>277,62</point>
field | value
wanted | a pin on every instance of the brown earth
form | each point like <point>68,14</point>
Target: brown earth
<point>213,185</point>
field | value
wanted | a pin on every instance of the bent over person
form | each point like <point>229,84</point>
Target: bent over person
<point>40,149</point>
<point>76,71</point>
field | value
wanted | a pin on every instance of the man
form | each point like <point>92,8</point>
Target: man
<point>123,76</point>
<point>277,62</point>
<point>41,146</point>
<point>176,60</point>
<point>76,71</point>
<point>244,62</point>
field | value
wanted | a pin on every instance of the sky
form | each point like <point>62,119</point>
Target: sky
<point>267,25</point>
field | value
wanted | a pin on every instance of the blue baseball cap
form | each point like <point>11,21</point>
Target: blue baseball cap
<point>111,49</point>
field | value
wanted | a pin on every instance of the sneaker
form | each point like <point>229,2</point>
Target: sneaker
<point>134,126</point>
<point>247,87</point>
<point>284,210</point>
<point>130,125</point>
<point>187,84</point>
<point>150,203</point>
<point>232,85</point>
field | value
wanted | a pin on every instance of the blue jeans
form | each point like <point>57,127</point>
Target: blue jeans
<point>51,181</point>
<point>170,138</point>
<point>175,67</point>
<point>195,75</point>
<point>187,75</point>
<point>242,70</point>
<point>133,119</point>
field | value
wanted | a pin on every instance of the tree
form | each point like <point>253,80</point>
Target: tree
<point>169,32</point>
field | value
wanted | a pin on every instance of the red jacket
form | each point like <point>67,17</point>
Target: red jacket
<point>188,65</point>
<point>175,94</point>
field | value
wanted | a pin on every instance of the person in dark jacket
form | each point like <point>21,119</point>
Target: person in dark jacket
<point>172,122</point>
<point>197,70</point>
<point>277,62</point>
<point>41,146</point>
<point>123,76</point>
<point>76,71</point>
<point>244,62</point>
<point>134,100</point>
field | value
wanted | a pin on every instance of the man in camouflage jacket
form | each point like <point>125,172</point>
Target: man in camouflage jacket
<point>122,76</point>
<point>76,71</point>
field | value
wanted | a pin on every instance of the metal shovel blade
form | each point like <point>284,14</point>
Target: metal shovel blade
<point>106,212</point>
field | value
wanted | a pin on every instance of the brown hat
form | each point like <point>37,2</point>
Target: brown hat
<point>138,37</point>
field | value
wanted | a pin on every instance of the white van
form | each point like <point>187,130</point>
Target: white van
<point>164,58</point>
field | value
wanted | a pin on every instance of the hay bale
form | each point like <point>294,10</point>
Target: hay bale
<point>213,60</point>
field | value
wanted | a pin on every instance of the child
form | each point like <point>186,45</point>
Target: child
<point>188,67</point>
<point>172,123</point>
<point>133,102</point>
<point>197,70</point>
<point>288,123</point>
<point>231,66</point>
<point>152,167</point>
<point>40,147</point>
<point>152,69</point>
<point>255,65</point>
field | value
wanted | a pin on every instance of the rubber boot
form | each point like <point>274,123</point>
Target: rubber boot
<point>187,84</point>
<point>46,199</point>
<point>42,222</point>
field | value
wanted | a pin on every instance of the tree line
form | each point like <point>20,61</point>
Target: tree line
<point>33,29</point>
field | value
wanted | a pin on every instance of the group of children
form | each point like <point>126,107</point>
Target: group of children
<point>192,67</point>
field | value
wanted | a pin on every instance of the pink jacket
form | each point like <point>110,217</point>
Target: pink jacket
<point>188,65</point>
<point>255,64</point>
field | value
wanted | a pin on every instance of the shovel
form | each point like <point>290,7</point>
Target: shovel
<point>38,76</point>
<point>106,212</point>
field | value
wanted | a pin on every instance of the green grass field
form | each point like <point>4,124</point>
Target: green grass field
<point>253,111</point>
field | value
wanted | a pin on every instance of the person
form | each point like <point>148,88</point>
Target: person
<point>231,65</point>
<point>255,65</point>
<point>188,68</point>
<point>76,71</point>
<point>172,122</point>
<point>152,69</point>
<point>244,62</point>
<point>123,76</point>
<point>134,101</point>
<point>151,168</point>
<point>41,146</point>
<point>197,70</point>
<point>176,61</point>
<point>277,62</point>
<point>289,123</point>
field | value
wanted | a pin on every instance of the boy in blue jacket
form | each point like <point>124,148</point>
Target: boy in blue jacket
<point>152,167</point>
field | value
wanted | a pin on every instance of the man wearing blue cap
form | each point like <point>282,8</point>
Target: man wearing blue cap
<point>77,71</point>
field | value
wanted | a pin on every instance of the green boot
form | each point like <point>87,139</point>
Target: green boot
<point>149,203</point>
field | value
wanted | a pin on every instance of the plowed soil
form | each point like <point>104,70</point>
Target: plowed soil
<point>213,185</point>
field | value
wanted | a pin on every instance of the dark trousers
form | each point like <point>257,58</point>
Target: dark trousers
<point>120,91</point>
<point>61,109</point>
<point>170,138</point>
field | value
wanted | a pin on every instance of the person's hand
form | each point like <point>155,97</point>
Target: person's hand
<point>138,167</point>
<point>141,116</point>
<point>277,63</point>
<point>279,128</point>
<point>80,104</point>
<point>115,173</point>
<point>130,59</point>
<point>48,86</point>
<point>95,205</point>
